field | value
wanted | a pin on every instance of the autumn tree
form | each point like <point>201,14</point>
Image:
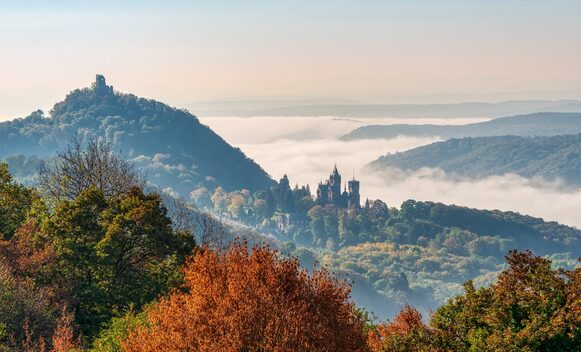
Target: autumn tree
<point>22,304</point>
<point>406,333</point>
<point>28,299</point>
<point>251,300</point>
<point>530,308</point>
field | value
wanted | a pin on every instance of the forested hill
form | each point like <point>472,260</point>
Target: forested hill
<point>551,158</point>
<point>171,146</point>
<point>538,124</point>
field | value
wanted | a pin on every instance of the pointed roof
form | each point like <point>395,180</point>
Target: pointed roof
<point>335,171</point>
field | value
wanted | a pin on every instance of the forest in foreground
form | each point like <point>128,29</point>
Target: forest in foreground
<point>92,261</point>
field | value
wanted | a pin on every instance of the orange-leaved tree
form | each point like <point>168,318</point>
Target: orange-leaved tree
<point>406,333</point>
<point>251,300</point>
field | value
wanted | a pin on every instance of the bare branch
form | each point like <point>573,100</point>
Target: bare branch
<point>77,169</point>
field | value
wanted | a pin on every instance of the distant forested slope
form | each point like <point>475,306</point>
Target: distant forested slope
<point>538,124</point>
<point>169,145</point>
<point>341,108</point>
<point>551,158</point>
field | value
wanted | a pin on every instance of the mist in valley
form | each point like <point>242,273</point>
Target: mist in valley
<point>306,148</point>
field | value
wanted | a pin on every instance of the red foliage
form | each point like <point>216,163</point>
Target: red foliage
<point>242,300</point>
<point>406,333</point>
<point>63,338</point>
<point>25,255</point>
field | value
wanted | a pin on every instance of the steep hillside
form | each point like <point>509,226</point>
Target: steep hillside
<point>551,158</point>
<point>169,145</point>
<point>538,124</point>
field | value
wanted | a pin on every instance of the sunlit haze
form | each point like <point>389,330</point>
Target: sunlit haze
<point>290,175</point>
<point>280,146</point>
<point>188,52</point>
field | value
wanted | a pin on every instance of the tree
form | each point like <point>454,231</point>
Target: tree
<point>270,205</point>
<point>201,197</point>
<point>110,339</point>
<point>331,227</point>
<point>219,199</point>
<point>15,201</point>
<point>530,308</point>
<point>251,300</point>
<point>114,254</point>
<point>77,169</point>
<point>407,333</point>
<point>212,232</point>
<point>317,225</point>
<point>259,207</point>
<point>236,205</point>
<point>346,236</point>
<point>26,313</point>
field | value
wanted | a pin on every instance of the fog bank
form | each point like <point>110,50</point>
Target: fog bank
<point>307,148</point>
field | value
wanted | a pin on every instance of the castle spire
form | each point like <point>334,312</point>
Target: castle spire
<point>335,171</point>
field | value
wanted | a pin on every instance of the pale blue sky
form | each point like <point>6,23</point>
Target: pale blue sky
<point>184,52</point>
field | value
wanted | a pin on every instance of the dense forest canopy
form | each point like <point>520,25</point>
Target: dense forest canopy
<point>92,259</point>
<point>111,267</point>
<point>537,124</point>
<point>551,158</point>
<point>169,145</point>
<point>420,253</point>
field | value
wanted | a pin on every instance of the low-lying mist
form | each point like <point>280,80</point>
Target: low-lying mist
<point>307,148</point>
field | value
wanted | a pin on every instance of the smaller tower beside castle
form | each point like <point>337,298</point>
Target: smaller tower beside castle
<point>354,197</point>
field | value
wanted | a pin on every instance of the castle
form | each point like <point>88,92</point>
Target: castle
<point>100,86</point>
<point>329,193</point>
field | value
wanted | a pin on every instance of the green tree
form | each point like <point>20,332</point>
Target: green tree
<point>331,227</point>
<point>15,202</point>
<point>114,254</point>
<point>528,309</point>
<point>317,225</point>
<point>110,339</point>
<point>270,204</point>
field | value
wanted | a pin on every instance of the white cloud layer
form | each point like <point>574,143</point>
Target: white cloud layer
<point>306,148</point>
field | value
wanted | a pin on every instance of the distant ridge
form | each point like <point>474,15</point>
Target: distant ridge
<point>550,158</point>
<point>538,124</point>
<point>170,146</point>
<point>353,109</point>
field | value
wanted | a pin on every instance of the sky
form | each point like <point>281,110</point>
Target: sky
<point>186,52</point>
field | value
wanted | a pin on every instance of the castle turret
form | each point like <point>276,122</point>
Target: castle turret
<point>100,86</point>
<point>323,193</point>
<point>329,193</point>
<point>354,196</point>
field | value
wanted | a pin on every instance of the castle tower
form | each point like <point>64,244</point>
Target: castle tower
<point>100,86</point>
<point>335,187</point>
<point>335,178</point>
<point>329,193</point>
<point>354,196</point>
<point>323,193</point>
